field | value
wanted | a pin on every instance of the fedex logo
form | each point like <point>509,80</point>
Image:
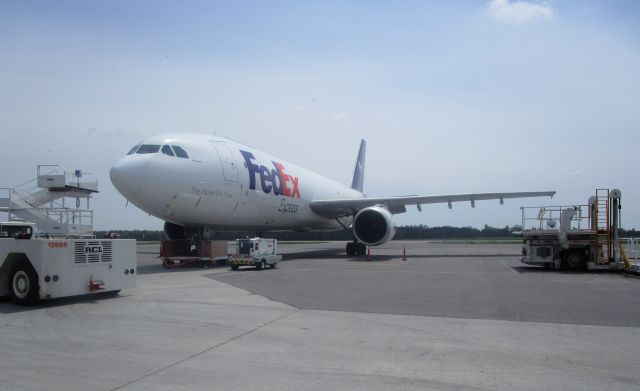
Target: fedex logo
<point>275,179</point>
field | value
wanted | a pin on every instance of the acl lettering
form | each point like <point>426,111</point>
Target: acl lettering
<point>92,249</point>
<point>275,179</point>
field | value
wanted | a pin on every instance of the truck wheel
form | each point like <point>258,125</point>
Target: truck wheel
<point>274,265</point>
<point>234,267</point>
<point>23,284</point>
<point>260,265</point>
<point>574,261</point>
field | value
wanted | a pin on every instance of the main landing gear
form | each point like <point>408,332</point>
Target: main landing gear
<point>356,248</point>
<point>194,236</point>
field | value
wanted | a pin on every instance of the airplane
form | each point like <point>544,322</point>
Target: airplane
<point>200,184</point>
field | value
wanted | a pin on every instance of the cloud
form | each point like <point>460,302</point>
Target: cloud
<point>340,117</point>
<point>519,12</point>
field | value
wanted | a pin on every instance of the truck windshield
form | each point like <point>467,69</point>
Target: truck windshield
<point>16,231</point>
<point>244,246</point>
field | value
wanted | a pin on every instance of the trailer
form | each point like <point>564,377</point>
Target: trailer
<point>257,252</point>
<point>206,253</point>
<point>578,237</point>
<point>47,247</point>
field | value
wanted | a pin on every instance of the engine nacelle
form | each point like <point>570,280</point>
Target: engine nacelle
<point>174,231</point>
<point>374,225</point>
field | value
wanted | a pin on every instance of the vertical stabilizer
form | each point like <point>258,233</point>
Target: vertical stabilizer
<point>358,172</point>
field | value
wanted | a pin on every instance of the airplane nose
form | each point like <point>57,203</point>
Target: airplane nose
<point>130,176</point>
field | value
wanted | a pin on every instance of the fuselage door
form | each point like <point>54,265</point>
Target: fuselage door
<point>229,166</point>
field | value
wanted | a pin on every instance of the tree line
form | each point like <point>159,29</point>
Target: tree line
<point>407,232</point>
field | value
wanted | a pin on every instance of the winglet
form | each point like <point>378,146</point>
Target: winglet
<point>358,172</point>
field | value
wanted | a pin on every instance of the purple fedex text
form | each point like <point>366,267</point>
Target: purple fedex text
<point>275,178</point>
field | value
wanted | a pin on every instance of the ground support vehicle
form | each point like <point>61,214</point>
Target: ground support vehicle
<point>579,237</point>
<point>34,269</point>
<point>47,248</point>
<point>176,253</point>
<point>256,252</point>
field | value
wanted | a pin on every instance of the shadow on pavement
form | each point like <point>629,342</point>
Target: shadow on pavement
<point>7,306</point>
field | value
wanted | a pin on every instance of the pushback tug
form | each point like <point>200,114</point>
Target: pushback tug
<point>47,246</point>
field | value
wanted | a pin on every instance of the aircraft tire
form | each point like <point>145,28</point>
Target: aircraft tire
<point>351,250</point>
<point>361,249</point>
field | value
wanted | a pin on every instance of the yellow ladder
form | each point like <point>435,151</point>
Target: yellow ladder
<point>603,230</point>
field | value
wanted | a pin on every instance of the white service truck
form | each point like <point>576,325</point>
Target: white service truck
<point>258,252</point>
<point>38,268</point>
<point>42,268</point>
<point>578,237</point>
<point>47,247</point>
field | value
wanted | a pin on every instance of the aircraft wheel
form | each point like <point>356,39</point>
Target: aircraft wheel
<point>361,249</point>
<point>23,283</point>
<point>351,248</point>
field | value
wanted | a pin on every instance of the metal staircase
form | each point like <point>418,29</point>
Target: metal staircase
<point>44,201</point>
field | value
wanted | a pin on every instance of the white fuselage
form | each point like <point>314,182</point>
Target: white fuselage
<point>225,185</point>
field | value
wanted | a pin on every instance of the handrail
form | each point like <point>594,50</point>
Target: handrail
<point>545,213</point>
<point>34,201</point>
<point>27,198</point>
<point>55,171</point>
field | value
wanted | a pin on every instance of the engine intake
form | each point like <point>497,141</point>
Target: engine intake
<point>374,225</point>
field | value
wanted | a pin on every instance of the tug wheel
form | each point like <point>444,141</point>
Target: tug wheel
<point>23,284</point>
<point>574,261</point>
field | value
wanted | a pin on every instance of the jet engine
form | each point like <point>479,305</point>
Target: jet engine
<point>174,231</point>
<point>374,225</point>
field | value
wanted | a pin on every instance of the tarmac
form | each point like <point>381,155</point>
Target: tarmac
<point>453,316</point>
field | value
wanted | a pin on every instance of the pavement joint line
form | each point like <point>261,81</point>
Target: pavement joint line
<point>155,371</point>
<point>392,271</point>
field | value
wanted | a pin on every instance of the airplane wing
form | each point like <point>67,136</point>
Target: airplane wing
<point>346,207</point>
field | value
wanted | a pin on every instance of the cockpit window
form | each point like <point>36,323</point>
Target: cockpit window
<point>148,148</point>
<point>180,152</point>
<point>167,150</point>
<point>133,150</point>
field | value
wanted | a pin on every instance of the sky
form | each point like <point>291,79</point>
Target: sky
<point>452,97</point>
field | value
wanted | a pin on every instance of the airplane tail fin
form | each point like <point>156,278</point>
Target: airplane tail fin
<point>358,172</point>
